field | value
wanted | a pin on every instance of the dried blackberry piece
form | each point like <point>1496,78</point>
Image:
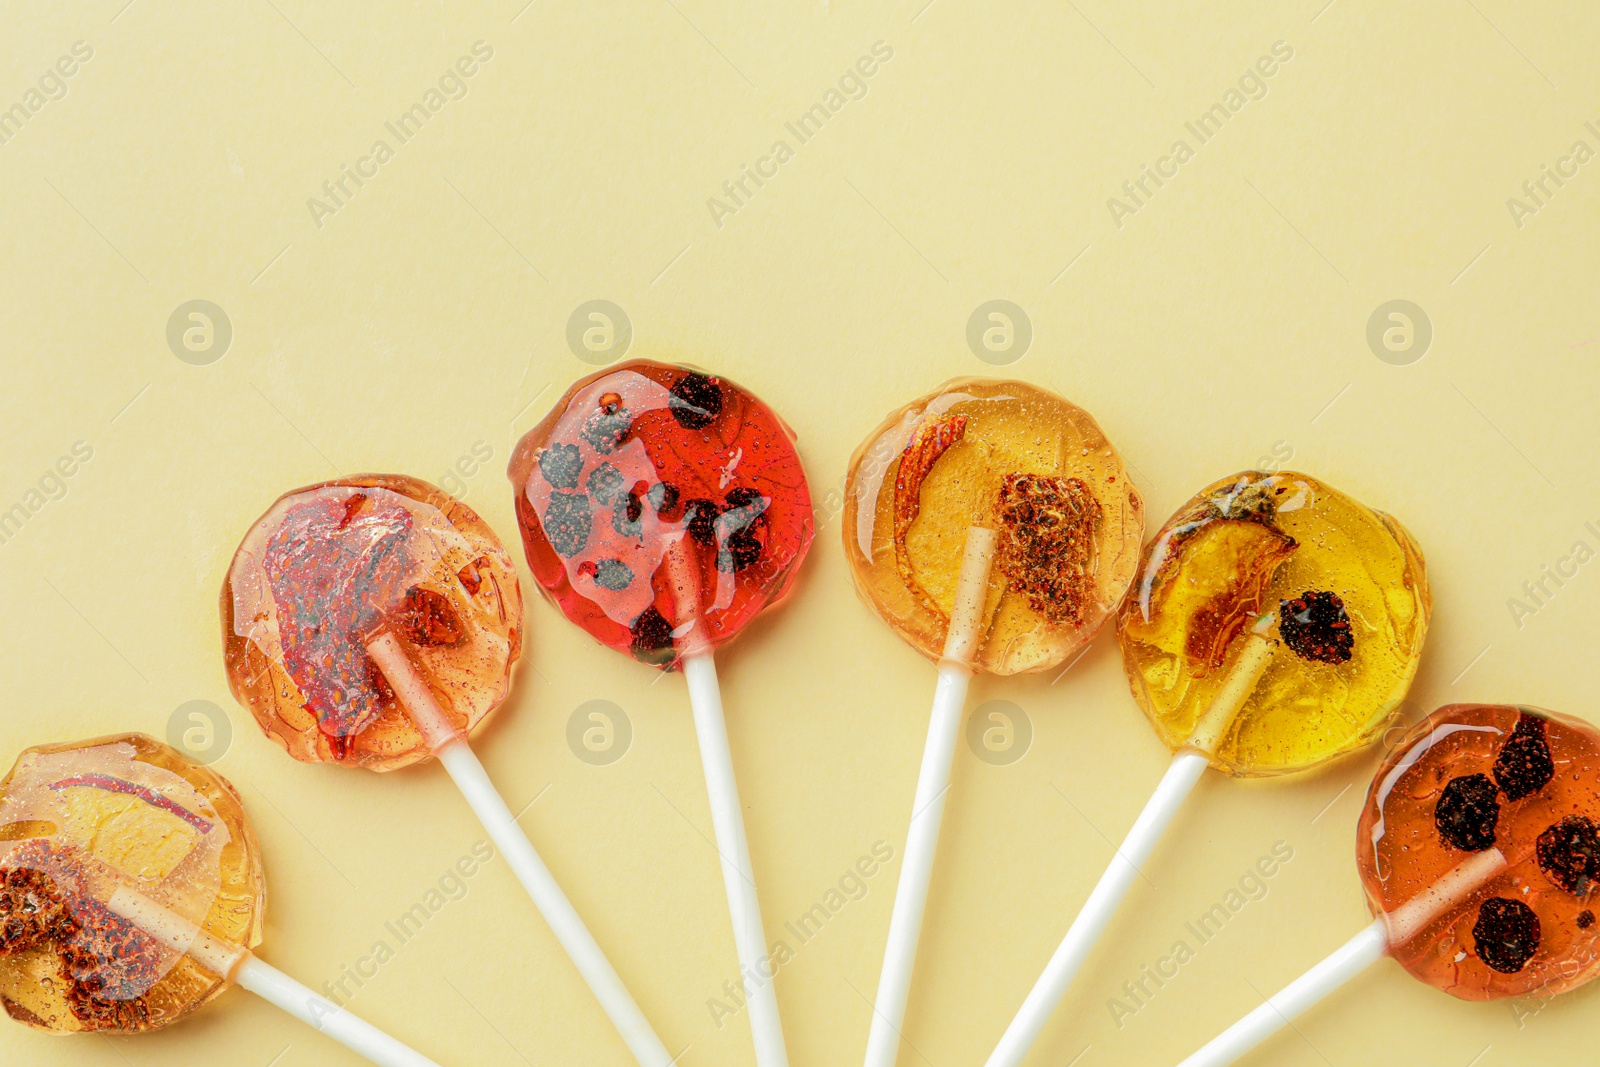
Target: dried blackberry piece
<point>696,401</point>
<point>663,497</point>
<point>1569,854</point>
<point>700,515</point>
<point>1315,627</point>
<point>1585,919</point>
<point>613,574</point>
<point>561,465</point>
<point>606,428</point>
<point>605,484</point>
<point>652,638</point>
<point>735,528</point>
<point>1524,765</point>
<point>1506,934</point>
<point>429,620</point>
<point>1467,812</point>
<point>567,523</point>
<point>625,517</point>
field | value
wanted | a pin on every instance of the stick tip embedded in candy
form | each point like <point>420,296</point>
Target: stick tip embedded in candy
<point>81,823</point>
<point>1511,783</point>
<point>661,508</point>
<point>1008,457</point>
<point>1345,586</point>
<point>331,566</point>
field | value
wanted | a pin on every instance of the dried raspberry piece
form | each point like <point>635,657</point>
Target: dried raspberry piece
<point>652,638</point>
<point>1315,627</point>
<point>561,465</point>
<point>1524,765</point>
<point>1467,812</point>
<point>567,522</point>
<point>1506,934</point>
<point>696,401</point>
<point>1569,854</point>
<point>428,619</point>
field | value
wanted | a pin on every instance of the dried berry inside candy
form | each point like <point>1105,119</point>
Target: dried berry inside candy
<point>696,401</point>
<point>1467,812</point>
<point>1569,854</point>
<point>1585,919</point>
<point>606,428</point>
<point>426,618</point>
<point>652,637</point>
<point>567,522</point>
<point>1315,627</point>
<point>561,465</point>
<point>1524,764</point>
<point>1506,934</point>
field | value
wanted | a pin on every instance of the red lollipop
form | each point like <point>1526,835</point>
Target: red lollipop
<point>661,509</point>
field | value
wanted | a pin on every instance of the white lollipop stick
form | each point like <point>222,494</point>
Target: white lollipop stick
<point>1158,813</point>
<point>462,763</point>
<point>1355,956</point>
<point>265,981</point>
<point>927,813</point>
<point>738,877</point>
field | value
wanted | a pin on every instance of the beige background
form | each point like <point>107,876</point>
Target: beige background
<point>1221,325</point>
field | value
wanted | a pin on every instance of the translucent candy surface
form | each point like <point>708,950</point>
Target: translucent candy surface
<point>1350,596</point>
<point>653,496</point>
<point>79,821</point>
<point>331,566</point>
<point>1475,777</point>
<point>1013,458</point>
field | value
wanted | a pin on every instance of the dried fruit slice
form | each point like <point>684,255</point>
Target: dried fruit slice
<point>931,439</point>
<point>1226,565</point>
<point>126,832</point>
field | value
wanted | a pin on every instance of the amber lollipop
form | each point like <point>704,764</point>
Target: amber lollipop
<point>1275,624</point>
<point>131,894</point>
<point>373,622</point>
<point>661,509</point>
<point>1479,849</point>
<point>993,526</point>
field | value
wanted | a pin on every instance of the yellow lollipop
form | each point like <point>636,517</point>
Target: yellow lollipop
<point>1344,595</point>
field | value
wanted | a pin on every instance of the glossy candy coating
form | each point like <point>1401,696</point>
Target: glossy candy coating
<point>1011,457</point>
<point>1351,598</point>
<point>76,822</point>
<point>655,496</point>
<point>1469,778</point>
<point>329,567</point>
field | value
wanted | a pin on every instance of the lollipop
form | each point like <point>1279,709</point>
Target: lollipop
<point>661,509</point>
<point>991,525</point>
<point>372,622</point>
<point>1275,624</point>
<point>131,894</point>
<point>1479,849</point>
